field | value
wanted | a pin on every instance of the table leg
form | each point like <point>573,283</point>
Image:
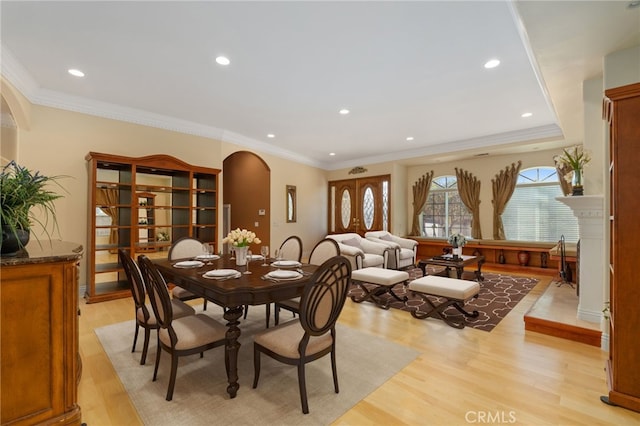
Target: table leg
<point>423,266</point>
<point>231,348</point>
<point>459,271</point>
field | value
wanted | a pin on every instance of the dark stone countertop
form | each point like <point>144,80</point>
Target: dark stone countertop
<point>45,251</point>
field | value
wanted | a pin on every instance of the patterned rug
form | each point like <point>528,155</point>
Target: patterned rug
<point>499,294</point>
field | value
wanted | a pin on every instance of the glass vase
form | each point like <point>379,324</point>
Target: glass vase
<point>241,255</point>
<point>577,182</point>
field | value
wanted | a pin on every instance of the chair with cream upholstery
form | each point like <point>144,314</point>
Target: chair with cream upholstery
<point>404,252</point>
<point>185,248</point>
<point>290,249</point>
<point>178,336</point>
<point>145,317</point>
<point>314,334</point>
<point>323,251</point>
<point>362,253</point>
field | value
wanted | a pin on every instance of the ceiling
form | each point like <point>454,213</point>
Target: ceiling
<point>403,69</point>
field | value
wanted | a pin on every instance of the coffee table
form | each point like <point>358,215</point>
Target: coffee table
<point>457,262</point>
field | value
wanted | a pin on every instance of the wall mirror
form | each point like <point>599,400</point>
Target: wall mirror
<point>291,203</point>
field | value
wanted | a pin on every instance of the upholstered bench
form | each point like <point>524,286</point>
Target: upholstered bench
<point>384,279</point>
<point>455,292</point>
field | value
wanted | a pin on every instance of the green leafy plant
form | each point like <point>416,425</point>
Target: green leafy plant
<point>20,190</point>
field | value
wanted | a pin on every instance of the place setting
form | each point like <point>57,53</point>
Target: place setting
<point>282,275</point>
<point>222,274</point>
<point>188,264</point>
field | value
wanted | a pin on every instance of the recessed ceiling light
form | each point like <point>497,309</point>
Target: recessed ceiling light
<point>76,73</point>
<point>271,136</point>
<point>633,4</point>
<point>409,138</point>
<point>332,154</point>
<point>492,63</point>
<point>223,60</point>
<point>526,115</point>
<point>344,111</point>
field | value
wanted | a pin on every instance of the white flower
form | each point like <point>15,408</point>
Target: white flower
<point>241,238</point>
<point>457,240</point>
<point>575,157</point>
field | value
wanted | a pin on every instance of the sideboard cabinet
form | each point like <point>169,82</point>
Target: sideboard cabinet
<point>142,205</point>
<point>622,108</point>
<point>40,361</point>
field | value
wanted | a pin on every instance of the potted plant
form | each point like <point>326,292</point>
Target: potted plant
<point>20,190</point>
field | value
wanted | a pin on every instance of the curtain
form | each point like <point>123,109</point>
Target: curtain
<point>107,199</point>
<point>565,174</point>
<point>469,190</point>
<point>420,194</point>
<point>503,186</point>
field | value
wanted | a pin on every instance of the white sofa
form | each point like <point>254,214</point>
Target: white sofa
<point>362,253</point>
<point>404,249</point>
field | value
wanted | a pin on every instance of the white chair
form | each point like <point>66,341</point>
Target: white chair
<point>323,251</point>
<point>405,249</point>
<point>185,248</point>
<point>361,252</point>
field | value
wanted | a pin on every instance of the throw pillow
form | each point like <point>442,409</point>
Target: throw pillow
<point>386,237</point>
<point>353,242</point>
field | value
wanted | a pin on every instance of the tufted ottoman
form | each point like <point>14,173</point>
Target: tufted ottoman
<point>384,279</point>
<point>455,292</point>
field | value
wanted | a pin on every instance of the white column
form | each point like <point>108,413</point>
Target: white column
<point>589,211</point>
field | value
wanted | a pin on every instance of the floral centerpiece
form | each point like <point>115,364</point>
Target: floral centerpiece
<point>240,240</point>
<point>576,158</point>
<point>457,240</point>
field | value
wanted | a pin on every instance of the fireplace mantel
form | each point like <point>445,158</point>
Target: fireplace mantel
<point>589,209</point>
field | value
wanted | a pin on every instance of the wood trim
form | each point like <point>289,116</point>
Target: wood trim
<point>564,331</point>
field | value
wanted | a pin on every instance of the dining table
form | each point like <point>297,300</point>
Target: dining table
<point>233,293</point>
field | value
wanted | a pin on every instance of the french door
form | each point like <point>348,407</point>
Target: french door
<point>359,205</point>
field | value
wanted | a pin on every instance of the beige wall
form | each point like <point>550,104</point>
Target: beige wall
<point>58,141</point>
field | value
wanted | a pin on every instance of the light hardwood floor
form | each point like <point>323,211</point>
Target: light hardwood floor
<point>506,376</point>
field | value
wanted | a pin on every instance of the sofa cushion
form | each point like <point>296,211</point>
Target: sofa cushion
<point>386,237</point>
<point>353,242</point>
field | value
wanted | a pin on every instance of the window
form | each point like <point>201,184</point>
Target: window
<point>534,214</point>
<point>445,214</point>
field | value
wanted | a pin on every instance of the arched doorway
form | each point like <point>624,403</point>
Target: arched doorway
<point>247,194</point>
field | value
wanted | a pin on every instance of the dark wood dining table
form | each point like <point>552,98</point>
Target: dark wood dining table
<point>233,295</point>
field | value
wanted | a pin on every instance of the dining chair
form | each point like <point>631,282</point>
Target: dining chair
<point>314,334</point>
<point>145,318</point>
<point>290,249</point>
<point>185,247</point>
<point>178,336</point>
<point>324,250</point>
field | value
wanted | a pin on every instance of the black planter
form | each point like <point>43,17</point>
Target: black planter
<point>12,245</point>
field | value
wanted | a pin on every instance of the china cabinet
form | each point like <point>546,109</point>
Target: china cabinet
<point>622,109</point>
<point>142,205</point>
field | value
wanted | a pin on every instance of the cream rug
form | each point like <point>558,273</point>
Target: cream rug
<point>200,397</point>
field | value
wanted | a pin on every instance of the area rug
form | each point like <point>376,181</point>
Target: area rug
<point>499,294</point>
<point>364,363</point>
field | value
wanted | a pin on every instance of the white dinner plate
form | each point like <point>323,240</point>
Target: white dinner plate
<point>255,257</point>
<point>220,273</point>
<point>207,257</point>
<point>287,264</point>
<point>189,264</point>
<point>281,275</point>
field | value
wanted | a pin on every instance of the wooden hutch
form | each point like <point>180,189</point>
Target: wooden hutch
<point>142,205</point>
